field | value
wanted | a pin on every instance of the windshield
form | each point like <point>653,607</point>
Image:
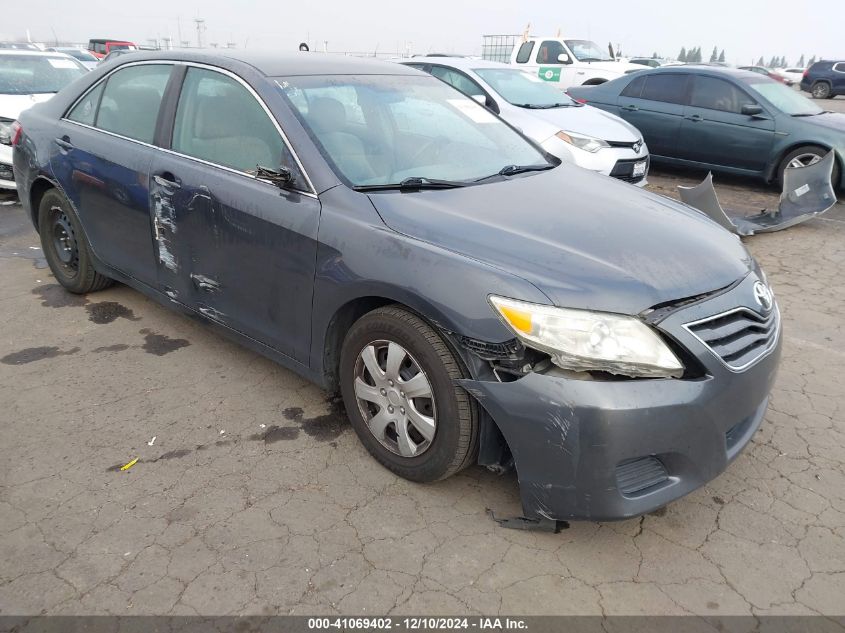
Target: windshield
<point>383,129</point>
<point>587,51</point>
<point>521,89</point>
<point>34,74</point>
<point>785,99</point>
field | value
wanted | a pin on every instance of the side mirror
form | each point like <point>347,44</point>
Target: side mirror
<point>563,58</point>
<point>281,177</point>
<point>751,109</point>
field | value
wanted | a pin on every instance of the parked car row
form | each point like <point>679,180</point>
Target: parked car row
<point>28,77</point>
<point>472,297</point>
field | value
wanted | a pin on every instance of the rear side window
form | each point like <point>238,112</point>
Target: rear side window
<point>458,80</point>
<point>840,67</point>
<point>131,100</point>
<point>524,53</point>
<point>85,111</point>
<point>665,88</point>
<point>221,122</point>
<point>634,89</point>
<point>717,94</point>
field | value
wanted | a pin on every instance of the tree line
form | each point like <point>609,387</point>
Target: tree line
<point>694,55</point>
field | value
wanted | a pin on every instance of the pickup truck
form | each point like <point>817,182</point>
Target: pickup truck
<point>563,61</point>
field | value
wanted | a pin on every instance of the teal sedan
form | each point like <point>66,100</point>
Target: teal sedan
<point>723,120</point>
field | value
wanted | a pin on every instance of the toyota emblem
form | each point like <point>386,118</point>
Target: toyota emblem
<point>763,296</point>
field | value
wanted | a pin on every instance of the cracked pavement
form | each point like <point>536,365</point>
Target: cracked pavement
<point>257,498</point>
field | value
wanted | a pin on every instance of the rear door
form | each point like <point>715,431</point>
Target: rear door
<point>239,250</point>
<point>654,104</point>
<point>103,150</point>
<point>714,130</point>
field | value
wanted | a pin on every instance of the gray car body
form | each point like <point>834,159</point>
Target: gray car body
<point>719,141</point>
<point>312,260</point>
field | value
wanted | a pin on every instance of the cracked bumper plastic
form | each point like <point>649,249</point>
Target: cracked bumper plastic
<point>568,436</point>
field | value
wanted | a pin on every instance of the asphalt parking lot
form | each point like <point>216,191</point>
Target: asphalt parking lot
<point>252,495</point>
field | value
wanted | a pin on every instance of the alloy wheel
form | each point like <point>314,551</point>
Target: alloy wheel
<point>395,398</point>
<point>804,160</point>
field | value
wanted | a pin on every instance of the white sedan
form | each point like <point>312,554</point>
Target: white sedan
<point>574,132</point>
<point>26,78</point>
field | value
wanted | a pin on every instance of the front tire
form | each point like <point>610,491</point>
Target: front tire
<point>65,247</point>
<point>397,380</point>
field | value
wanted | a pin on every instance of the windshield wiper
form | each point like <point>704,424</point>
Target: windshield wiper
<point>413,183</point>
<point>809,113</point>
<point>512,170</point>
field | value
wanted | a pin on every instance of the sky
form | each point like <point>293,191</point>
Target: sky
<point>746,30</point>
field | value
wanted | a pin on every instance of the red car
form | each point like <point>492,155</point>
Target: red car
<point>762,70</point>
<point>101,48</point>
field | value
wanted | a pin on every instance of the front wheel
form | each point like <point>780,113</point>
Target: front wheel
<point>804,156</point>
<point>65,248</point>
<point>397,380</point>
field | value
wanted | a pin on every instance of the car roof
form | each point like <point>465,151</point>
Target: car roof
<point>461,63</point>
<point>22,51</point>
<point>705,69</point>
<point>280,64</point>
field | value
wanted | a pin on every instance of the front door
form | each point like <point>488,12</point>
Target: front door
<point>714,130</point>
<point>105,145</point>
<point>239,250</point>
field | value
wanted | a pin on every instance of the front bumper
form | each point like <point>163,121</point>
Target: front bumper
<point>609,161</point>
<point>606,450</point>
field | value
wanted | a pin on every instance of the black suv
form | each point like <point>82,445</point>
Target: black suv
<point>824,79</point>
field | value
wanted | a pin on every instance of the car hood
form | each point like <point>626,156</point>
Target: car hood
<point>12,105</point>
<point>590,121</point>
<point>830,120</point>
<point>585,240</point>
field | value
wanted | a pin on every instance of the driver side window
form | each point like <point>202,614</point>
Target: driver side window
<point>549,52</point>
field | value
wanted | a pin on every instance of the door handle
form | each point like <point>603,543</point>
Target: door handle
<point>630,108</point>
<point>168,180</point>
<point>694,118</point>
<point>64,144</point>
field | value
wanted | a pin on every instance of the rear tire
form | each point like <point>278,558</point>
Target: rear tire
<point>804,155</point>
<point>820,90</point>
<point>449,442</point>
<point>65,246</point>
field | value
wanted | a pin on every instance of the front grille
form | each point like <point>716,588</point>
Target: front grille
<point>739,337</point>
<point>6,172</point>
<point>642,473</point>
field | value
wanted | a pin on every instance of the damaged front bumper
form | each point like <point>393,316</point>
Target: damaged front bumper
<point>613,449</point>
<point>807,193</point>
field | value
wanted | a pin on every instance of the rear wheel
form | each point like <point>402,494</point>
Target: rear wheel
<point>65,247</point>
<point>804,156</point>
<point>397,380</point>
<point>820,90</point>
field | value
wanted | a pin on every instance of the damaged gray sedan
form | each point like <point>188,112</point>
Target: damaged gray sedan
<point>365,225</point>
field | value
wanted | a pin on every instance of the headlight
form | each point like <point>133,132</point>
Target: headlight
<point>581,340</point>
<point>6,131</point>
<point>587,143</point>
